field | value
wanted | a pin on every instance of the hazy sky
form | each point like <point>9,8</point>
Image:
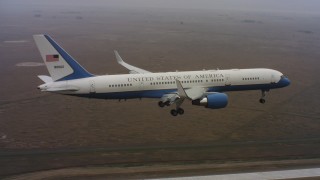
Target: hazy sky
<point>260,5</point>
<point>297,6</point>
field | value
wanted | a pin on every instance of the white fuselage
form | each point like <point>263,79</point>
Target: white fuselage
<point>157,84</point>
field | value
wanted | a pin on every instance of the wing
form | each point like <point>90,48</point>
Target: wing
<point>190,93</point>
<point>132,69</point>
<point>182,94</point>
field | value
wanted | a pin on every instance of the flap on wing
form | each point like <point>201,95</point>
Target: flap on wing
<point>182,93</point>
<point>132,69</point>
<point>196,92</point>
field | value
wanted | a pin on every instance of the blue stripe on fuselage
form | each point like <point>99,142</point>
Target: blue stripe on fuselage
<point>280,84</point>
<point>128,94</point>
<point>78,70</point>
<point>160,93</point>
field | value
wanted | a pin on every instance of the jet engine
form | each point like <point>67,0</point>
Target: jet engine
<point>212,101</point>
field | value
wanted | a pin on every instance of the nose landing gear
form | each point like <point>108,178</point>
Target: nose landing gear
<point>263,95</point>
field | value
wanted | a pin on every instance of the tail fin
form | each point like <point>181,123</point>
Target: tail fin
<point>60,64</point>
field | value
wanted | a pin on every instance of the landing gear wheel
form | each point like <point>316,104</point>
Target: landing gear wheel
<point>180,111</point>
<point>161,104</point>
<point>263,95</point>
<point>174,112</point>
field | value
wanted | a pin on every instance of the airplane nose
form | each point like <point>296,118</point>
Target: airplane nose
<point>288,82</point>
<point>285,82</point>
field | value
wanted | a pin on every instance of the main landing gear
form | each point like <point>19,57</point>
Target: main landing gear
<point>162,104</point>
<point>263,95</point>
<point>173,112</point>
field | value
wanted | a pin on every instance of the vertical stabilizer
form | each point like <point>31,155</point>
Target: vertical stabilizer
<point>60,64</point>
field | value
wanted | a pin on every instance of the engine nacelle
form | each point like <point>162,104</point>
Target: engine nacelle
<point>213,101</point>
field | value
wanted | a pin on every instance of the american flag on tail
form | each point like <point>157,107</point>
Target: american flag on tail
<point>52,58</point>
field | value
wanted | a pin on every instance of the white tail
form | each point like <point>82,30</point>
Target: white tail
<point>60,64</point>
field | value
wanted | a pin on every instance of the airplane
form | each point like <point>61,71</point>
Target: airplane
<point>203,88</point>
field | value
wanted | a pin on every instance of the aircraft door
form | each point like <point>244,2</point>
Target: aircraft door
<point>92,87</point>
<point>227,80</point>
<point>141,85</point>
<point>273,79</point>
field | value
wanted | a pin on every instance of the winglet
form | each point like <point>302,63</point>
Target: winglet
<point>133,69</point>
<point>118,57</point>
<point>182,93</point>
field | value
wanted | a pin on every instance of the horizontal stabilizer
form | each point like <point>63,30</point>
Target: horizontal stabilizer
<point>45,78</point>
<point>62,89</point>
